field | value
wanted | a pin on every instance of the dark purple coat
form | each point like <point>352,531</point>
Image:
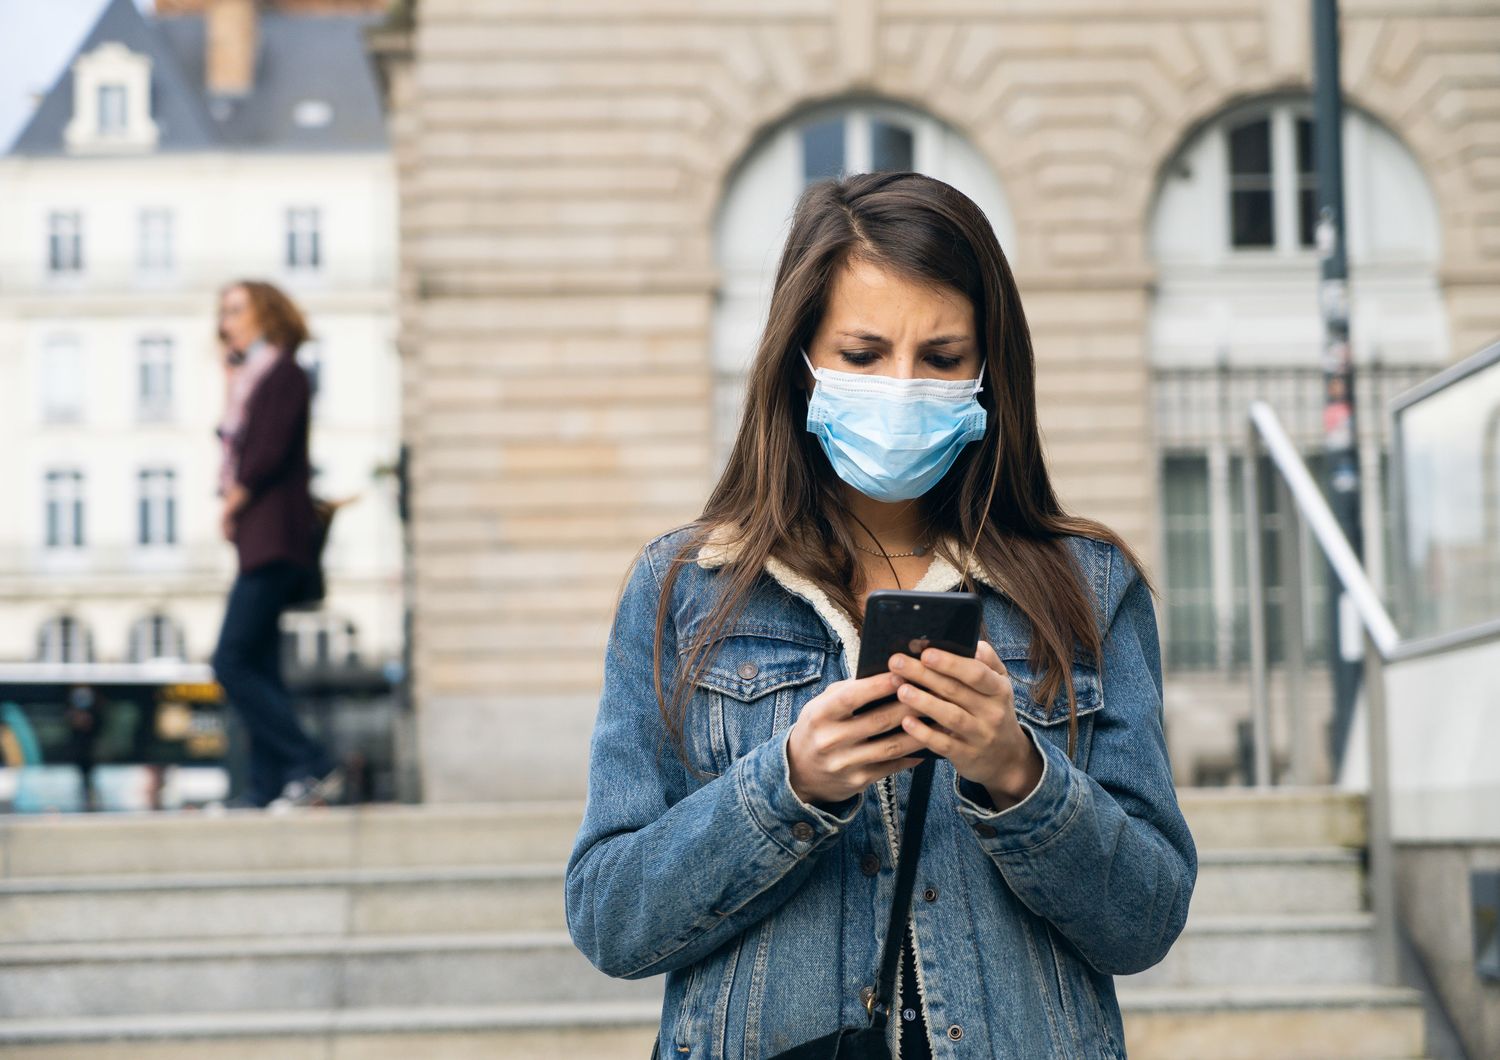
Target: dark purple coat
<point>278,522</point>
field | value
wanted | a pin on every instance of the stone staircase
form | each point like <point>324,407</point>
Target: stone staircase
<point>390,932</point>
<point>1277,959</point>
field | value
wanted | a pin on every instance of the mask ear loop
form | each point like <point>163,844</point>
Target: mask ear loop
<point>984,513</point>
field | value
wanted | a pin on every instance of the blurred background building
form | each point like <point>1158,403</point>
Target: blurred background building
<point>172,155</point>
<point>594,195</point>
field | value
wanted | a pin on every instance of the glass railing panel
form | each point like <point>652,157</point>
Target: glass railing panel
<point>1447,435</point>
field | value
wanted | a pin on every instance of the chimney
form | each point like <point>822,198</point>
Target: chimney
<point>230,39</point>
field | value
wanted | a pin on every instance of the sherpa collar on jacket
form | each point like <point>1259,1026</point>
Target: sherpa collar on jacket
<point>722,547</point>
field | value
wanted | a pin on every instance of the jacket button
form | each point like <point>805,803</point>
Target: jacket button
<point>955,1032</point>
<point>870,864</point>
<point>802,830</point>
<point>930,894</point>
<point>986,830</point>
<point>748,670</point>
<point>865,994</point>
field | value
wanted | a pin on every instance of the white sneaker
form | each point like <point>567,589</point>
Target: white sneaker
<point>313,791</point>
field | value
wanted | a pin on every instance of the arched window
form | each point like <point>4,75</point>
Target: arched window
<point>319,639</point>
<point>63,639</point>
<point>1235,317</point>
<point>156,636</point>
<point>753,219</point>
<point>1242,191</point>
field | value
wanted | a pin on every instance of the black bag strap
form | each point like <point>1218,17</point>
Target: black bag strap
<point>906,877</point>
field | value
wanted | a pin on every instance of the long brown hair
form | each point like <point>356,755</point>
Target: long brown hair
<point>781,498</point>
<point>279,318</point>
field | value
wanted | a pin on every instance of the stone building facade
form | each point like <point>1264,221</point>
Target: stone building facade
<point>564,171</point>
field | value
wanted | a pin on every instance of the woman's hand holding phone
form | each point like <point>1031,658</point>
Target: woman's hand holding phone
<point>965,710</point>
<point>830,756</point>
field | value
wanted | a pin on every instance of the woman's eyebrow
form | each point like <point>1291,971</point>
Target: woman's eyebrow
<point>936,340</point>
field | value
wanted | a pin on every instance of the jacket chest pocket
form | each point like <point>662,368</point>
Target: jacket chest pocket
<point>1051,720</point>
<point>751,688</point>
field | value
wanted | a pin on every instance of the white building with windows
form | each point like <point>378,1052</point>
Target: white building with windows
<point>153,172</point>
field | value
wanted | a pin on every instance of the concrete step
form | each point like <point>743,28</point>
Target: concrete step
<point>595,1031</point>
<point>395,836</point>
<point>1240,818</point>
<point>1353,1022</point>
<point>267,904</point>
<point>1327,1023</point>
<point>1289,880</point>
<point>498,898</point>
<point>385,836</point>
<point>232,975</point>
<point>312,971</point>
<point>1262,951</point>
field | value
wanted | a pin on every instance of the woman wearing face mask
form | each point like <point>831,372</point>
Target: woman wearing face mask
<point>742,826</point>
<point>268,514</point>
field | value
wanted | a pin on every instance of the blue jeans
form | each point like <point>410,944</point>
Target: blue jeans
<point>247,662</point>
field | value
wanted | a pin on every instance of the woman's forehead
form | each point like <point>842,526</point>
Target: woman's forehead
<point>869,298</point>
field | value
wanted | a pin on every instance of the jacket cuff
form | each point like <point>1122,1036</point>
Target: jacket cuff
<point>1036,818</point>
<point>766,790</point>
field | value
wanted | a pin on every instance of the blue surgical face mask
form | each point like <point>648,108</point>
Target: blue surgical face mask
<point>893,439</point>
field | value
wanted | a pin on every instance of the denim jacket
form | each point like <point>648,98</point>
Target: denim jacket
<point>767,914</point>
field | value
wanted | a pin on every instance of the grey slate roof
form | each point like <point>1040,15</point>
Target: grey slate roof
<point>299,57</point>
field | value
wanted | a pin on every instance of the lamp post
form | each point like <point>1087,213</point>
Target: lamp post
<point>1340,434</point>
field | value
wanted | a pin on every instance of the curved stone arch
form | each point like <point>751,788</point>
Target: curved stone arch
<point>1372,100</point>
<point>728,152</point>
<point>1167,145</point>
<point>727,165</point>
<point>810,108</point>
<point>1356,116</point>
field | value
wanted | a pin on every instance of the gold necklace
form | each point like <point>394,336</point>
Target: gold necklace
<point>920,550</point>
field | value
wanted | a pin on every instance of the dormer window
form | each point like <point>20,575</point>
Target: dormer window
<point>113,120</point>
<point>111,102</point>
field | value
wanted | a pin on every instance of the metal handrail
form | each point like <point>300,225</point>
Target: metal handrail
<point>1381,642</point>
<point>1313,507</point>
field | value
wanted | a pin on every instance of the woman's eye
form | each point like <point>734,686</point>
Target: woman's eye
<point>859,357</point>
<point>944,363</point>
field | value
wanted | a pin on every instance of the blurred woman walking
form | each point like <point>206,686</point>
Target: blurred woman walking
<point>268,514</point>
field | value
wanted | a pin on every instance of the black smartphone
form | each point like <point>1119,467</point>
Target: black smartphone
<point>903,622</point>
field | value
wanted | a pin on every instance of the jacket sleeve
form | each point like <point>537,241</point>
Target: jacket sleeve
<point>653,884</point>
<point>275,426</point>
<point>1103,854</point>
